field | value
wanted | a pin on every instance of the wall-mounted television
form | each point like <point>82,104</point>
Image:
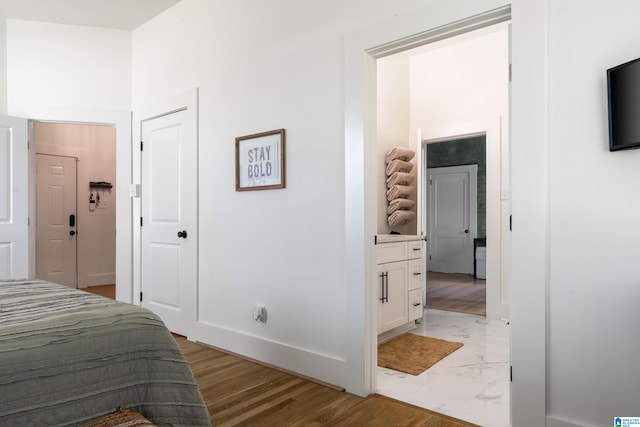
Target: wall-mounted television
<point>623,90</point>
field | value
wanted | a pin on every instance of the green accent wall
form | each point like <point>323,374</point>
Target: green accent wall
<point>464,151</point>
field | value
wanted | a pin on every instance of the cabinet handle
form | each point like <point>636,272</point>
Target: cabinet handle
<point>386,279</point>
<point>382,275</point>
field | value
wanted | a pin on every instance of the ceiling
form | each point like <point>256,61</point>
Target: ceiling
<point>117,14</point>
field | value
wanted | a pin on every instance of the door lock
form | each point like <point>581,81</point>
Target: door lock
<point>182,234</point>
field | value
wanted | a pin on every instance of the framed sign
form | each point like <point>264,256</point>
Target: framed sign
<point>260,161</point>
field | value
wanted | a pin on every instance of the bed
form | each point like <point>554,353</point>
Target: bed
<point>68,357</point>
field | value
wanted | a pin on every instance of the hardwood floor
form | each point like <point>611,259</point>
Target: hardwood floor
<point>456,292</point>
<point>239,392</point>
<point>108,291</point>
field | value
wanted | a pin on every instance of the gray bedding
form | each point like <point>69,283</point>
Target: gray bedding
<point>67,357</point>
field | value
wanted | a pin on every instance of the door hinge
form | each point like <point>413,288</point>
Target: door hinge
<point>140,221</point>
<point>140,296</point>
<point>511,373</point>
<point>510,72</point>
<point>141,146</point>
<point>510,222</point>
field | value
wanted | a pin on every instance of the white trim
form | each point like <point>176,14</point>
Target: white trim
<point>529,122</point>
<point>556,422</point>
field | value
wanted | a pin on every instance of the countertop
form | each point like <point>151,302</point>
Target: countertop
<point>390,238</point>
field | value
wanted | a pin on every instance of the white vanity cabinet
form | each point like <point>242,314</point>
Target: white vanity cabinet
<point>399,283</point>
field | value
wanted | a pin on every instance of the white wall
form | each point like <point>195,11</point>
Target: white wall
<point>459,86</point>
<point>593,220</point>
<point>263,66</point>
<point>393,119</point>
<point>67,66</point>
<point>259,68</point>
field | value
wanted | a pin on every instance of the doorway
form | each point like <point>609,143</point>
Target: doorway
<point>456,173</point>
<point>90,151</point>
<point>452,218</point>
<point>460,86</point>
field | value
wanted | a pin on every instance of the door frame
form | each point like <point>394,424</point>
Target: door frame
<point>362,49</point>
<point>188,102</point>
<point>121,120</point>
<point>496,134</point>
<point>17,252</point>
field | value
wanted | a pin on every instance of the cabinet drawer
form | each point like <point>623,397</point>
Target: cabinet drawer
<point>414,249</point>
<point>415,304</point>
<point>416,277</point>
<point>390,252</point>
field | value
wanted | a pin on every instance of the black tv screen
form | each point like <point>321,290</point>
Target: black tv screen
<point>623,85</point>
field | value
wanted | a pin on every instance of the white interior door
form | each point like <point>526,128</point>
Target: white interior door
<point>169,220</point>
<point>14,198</point>
<point>56,241</point>
<point>452,218</point>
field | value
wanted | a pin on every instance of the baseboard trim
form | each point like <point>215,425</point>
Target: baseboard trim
<point>391,334</point>
<point>557,422</point>
<point>321,368</point>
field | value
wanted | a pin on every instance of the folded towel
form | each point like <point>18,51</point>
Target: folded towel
<point>398,166</point>
<point>400,204</point>
<point>402,153</point>
<point>403,178</point>
<point>399,191</point>
<point>400,218</point>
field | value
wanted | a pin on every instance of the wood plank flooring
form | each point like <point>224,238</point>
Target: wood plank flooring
<point>239,392</point>
<point>456,292</point>
<point>108,291</point>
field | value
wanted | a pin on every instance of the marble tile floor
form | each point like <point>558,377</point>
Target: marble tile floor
<point>472,383</point>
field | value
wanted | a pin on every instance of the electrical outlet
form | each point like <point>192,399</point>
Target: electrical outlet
<point>260,313</point>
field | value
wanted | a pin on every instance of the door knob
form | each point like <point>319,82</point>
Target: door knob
<point>72,233</point>
<point>466,231</point>
<point>182,234</point>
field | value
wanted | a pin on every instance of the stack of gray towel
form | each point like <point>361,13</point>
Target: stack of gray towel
<point>400,178</point>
